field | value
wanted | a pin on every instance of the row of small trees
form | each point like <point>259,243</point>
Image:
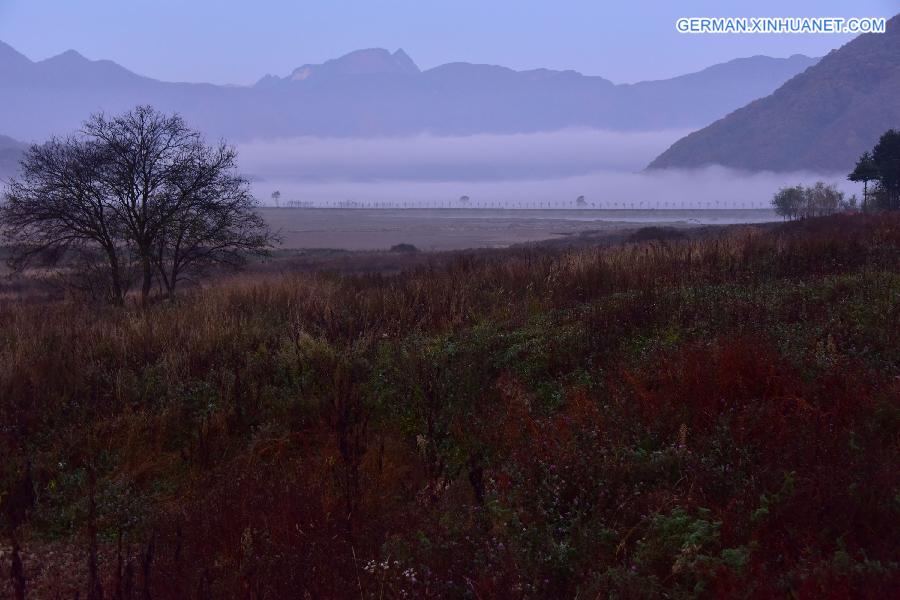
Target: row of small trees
<point>801,202</point>
<point>134,201</point>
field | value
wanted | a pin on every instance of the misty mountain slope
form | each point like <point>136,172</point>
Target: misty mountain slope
<point>820,120</point>
<point>375,93</point>
<point>10,154</point>
<point>692,97</point>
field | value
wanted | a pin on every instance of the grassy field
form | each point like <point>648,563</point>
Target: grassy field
<point>712,417</point>
<point>460,229</point>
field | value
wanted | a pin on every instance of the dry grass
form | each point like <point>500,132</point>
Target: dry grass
<point>694,417</point>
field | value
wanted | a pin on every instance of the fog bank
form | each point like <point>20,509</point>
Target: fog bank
<point>545,170</point>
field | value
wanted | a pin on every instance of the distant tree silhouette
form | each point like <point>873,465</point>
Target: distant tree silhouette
<point>805,202</point>
<point>865,171</point>
<point>787,201</point>
<point>276,197</point>
<point>882,165</point>
<point>886,156</point>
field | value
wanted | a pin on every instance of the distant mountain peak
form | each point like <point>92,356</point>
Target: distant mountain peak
<point>369,61</point>
<point>374,61</point>
<point>404,61</point>
<point>69,56</point>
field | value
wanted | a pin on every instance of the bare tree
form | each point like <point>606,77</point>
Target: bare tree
<point>142,187</point>
<point>214,222</point>
<point>144,153</point>
<point>57,208</point>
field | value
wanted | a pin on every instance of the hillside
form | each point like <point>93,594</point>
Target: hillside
<point>820,120</point>
<point>374,92</point>
<point>671,419</point>
<point>10,153</point>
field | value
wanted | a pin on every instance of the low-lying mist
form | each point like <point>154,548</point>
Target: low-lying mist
<point>544,170</point>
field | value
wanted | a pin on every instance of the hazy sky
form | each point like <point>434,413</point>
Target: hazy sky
<point>238,41</point>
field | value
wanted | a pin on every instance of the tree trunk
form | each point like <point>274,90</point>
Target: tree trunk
<point>118,297</point>
<point>147,268</point>
<point>170,284</point>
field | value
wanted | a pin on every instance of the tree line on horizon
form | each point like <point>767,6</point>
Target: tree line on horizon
<point>881,167</point>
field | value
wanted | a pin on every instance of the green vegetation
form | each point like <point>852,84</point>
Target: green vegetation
<point>882,166</point>
<point>819,200</point>
<point>865,171</point>
<point>673,418</point>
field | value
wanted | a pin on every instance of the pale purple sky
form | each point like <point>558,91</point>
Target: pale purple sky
<point>236,41</point>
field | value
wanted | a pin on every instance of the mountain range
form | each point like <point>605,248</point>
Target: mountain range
<point>374,92</point>
<point>819,120</point>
